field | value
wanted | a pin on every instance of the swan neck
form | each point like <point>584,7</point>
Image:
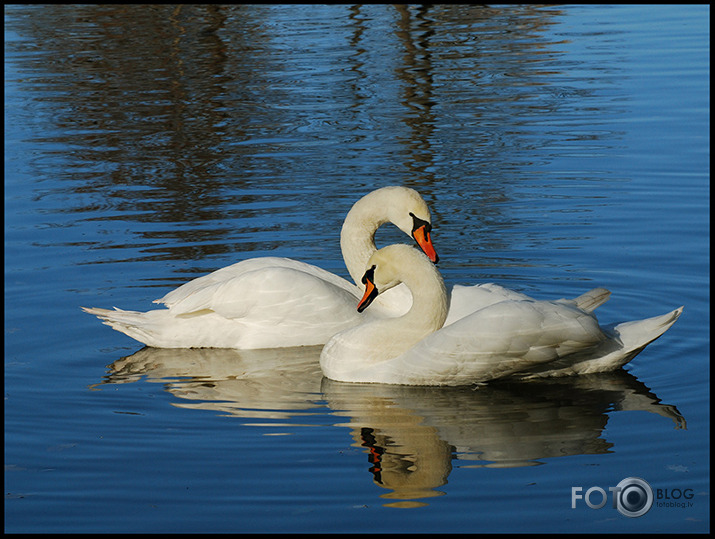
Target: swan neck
<point>430,303</point>
<point>357,237</point>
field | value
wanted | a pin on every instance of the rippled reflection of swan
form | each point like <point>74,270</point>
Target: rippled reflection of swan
<point>276,302</point>
<point>411,436</point>
<point>272,383</point>
<point>517,336</point>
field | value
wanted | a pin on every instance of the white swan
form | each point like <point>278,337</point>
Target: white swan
<point>276,302</point>
<point>518,336</point>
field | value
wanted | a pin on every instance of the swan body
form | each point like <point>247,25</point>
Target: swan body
<point>277,302</point>
<point>511,334</point>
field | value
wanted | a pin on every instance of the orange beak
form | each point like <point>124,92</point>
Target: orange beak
<point>371,291</point>
<point>423,239</point>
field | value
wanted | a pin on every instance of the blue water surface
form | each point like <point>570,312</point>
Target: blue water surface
<point>559,148</point>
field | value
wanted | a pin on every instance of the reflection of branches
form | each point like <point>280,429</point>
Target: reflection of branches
<point>138,102</point>
<point>188,123</point>
<point>416,72</point>
<point>411,434</point>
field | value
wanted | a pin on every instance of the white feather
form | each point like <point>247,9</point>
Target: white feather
<point>510,334</point>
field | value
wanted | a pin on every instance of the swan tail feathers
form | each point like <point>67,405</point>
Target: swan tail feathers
<point>592,299</point>
<point>626,340</point>
<point>131,323</point>
<point>632,337</point>
<point>638,334</point>
<point>116,316</point>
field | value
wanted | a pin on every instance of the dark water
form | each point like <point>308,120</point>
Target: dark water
<point>559,148</point>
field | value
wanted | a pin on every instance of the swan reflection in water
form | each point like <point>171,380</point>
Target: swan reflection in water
<point>411,434</point>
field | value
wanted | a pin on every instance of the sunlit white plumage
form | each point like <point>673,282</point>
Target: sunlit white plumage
<point>276,302</point>
<point>514,335</point>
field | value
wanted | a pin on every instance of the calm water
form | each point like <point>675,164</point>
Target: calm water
<point>560,148</point>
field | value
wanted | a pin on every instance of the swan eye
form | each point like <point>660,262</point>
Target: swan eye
<point>419,223</point>
<point>369,275</point>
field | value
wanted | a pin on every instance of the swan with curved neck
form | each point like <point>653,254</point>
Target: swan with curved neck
<point>277,302</point>
<point>511,337</point>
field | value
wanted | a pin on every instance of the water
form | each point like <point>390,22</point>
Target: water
<point>559,148</point>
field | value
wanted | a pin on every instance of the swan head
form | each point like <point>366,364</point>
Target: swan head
<point>409,212</point>
<point>421,233</point>
<point>393,265</point>
<point>402,206</point>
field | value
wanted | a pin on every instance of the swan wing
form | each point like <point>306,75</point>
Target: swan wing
<point>465,300</point>
<point>283,295</point>
<point>226,288</point>
<point>265,308</point>
<point>273,295</point>
<point>588,301</point>
<point>496,341</point>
